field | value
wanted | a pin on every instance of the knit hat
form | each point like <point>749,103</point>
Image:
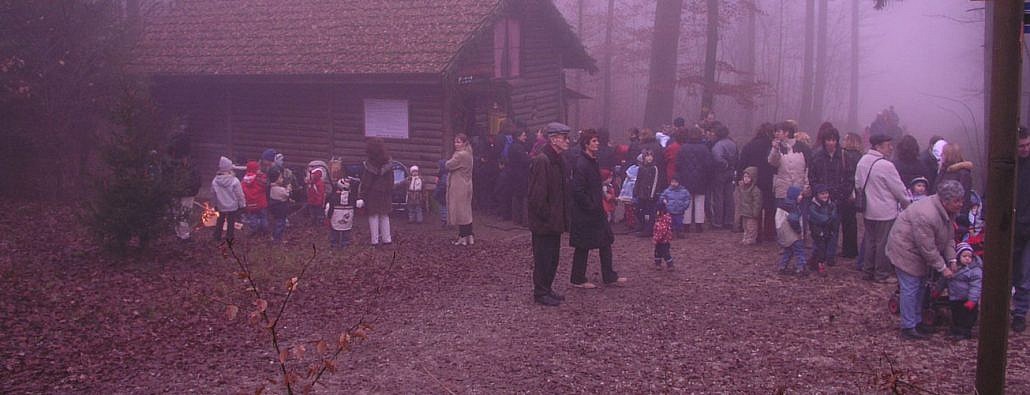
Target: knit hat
<point>268,155</point>
<point>252,167</point>
<point>413,169</point>
<point>820,188</point>
<point>962,247</point>
<point>793,192</point>
<point>918,180</point>
<point>224,164</point>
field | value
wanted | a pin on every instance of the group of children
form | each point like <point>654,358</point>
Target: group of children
<point>265,194</point>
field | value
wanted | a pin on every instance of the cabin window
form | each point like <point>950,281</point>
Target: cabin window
<point>507,48</point>
<point>386,118</point>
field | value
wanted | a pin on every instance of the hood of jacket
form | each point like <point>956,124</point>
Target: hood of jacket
<point>224,180</point>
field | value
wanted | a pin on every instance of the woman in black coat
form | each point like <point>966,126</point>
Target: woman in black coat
<point>756,154</point>
<point>589,228</point>
<point>906,160</point>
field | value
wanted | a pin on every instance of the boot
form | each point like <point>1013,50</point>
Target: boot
<point>470,239</point>
<point>462,241</point>
<point>699,227</point>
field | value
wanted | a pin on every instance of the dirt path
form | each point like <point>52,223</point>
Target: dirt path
<point>451,319</point>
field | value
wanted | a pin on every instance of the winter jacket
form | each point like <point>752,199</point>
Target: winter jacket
<point>415,196</point>
<point>967,283</point>
<point>588,227</point>
<point>518,168</point>
<point>789,159</point>
<point>646,185</point>
<point>226,188</point>
<point>459,187</point>
<point>963,173</point>
<point>884,191</point>
<point>834,172</point>
<point>548,196</point>
<point>659,160</point>
<point>662,229</point>
<point>922,237</point>
<point>694,166</point>
<point>341,206</point>
<point>789,220</point>
<point>376,188</point>
<point>908,170</point>
<point>930,166</point>
<point>725,155</point>
<point>228,192</point>
<point>822,218</point>
<point>440,194</point>
<point>670,153</point>
<point>316,186</point>
<point>677,200</point>
<point>254,186</point>
<point>748,198</point>
<point>756,154</point>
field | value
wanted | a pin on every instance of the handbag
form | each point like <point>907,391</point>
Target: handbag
<point>860,193</point>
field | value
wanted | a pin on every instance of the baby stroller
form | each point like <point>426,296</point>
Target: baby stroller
<point>935,300</point>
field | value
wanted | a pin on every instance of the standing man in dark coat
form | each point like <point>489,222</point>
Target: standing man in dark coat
<point>756,154</point>
<point>694,164</point>
<point>830,168</point>
<point>548,201</point>
<point>589,224</point>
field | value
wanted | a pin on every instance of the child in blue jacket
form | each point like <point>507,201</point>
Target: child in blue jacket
<point>677,200</point>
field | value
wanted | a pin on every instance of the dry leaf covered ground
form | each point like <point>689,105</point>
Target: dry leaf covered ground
<point>449,319</point>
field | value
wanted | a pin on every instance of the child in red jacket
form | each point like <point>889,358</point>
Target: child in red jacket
<point>316,180</point>
<point>662,237</point>
<point>255,186</point>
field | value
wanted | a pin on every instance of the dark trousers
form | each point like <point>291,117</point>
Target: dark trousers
<point>962,319</point>
<point>824,248</point>
<point>230,228</point>
<point>663,251</point>
<point>767,230</point>
<point>579,265</point>
<point>876,264</point>
<point>546,249</point>
<point>645,215</point>
<point>518,210</point>
<point>848,229</point>
<point>721,195</point>
<point>464,230</point>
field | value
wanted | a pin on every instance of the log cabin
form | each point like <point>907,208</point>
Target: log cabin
<point>313,79</point>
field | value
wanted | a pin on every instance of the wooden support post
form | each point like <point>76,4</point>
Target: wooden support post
<point>1004,29</point>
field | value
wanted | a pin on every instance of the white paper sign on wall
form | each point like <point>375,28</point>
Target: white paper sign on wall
<point>386,118</point>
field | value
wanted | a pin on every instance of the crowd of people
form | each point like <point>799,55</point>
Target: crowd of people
<point>922,219</point>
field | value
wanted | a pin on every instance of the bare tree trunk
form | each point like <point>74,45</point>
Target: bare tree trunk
<point>579,74</point>
<point>752,28</point>
<point>819,90</point>
<point>853,103</point>
<point>608,50</point>
<point>779,68</point>
<point>805,114</point>
<point>711,50</point>
<point>661,83</point>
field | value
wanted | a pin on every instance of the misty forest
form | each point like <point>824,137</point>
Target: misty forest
<point>398,196</point>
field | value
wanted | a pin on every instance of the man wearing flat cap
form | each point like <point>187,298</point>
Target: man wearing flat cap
<point>884,192</point>
<point>548,201</point>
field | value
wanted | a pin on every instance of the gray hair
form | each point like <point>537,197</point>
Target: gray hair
<point>950,190</point>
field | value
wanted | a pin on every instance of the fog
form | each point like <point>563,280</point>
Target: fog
<point>923,57</point>
<point>926,58</point>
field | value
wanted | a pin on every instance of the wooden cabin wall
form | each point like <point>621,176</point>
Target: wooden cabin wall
<point>536,94</point>
<point>303,121</point>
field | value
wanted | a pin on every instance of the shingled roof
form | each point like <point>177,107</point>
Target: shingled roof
<point>305,37</point>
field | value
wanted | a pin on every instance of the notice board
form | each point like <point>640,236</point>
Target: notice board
<point>386,118</point>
